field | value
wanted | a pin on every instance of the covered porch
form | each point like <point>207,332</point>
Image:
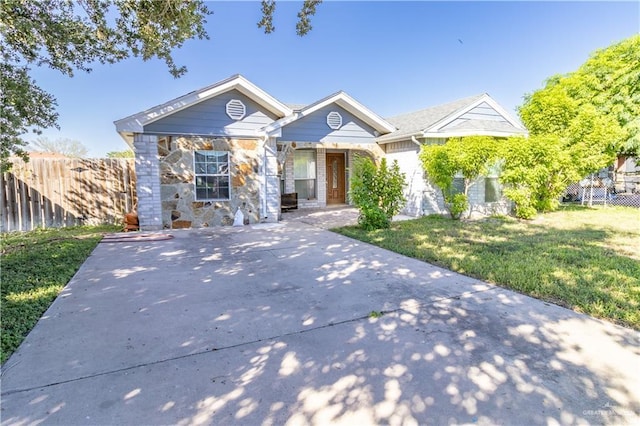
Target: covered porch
<point>318,173</point>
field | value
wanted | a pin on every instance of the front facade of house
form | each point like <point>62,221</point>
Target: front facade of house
<point>231,146</point>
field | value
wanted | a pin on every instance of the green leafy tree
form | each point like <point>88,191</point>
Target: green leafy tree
<point>535,172</point>
<point>68,147</point>
<point>377,191</point>
<point>24,106</point>
<point>71,36</point>
<point>542,166</point>
<point>127,153</point>
<point>469,157</point>
<point>303,26</point>
<point>578,123</point>
<point>606,85</point>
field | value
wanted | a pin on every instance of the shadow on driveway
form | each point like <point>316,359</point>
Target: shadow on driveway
<point>292,324</point>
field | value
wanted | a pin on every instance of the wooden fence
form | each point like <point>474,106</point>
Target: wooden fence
<point>48,193</point>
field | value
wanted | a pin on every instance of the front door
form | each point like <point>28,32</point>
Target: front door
<point>335,179</point>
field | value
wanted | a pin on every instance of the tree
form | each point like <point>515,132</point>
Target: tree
<point>23,106</point>
<point>609,81</point>
<point>71,36</point>
<point>469,157</point>
<point>303,26</point>
<point>538,169</point>
<point>605,86</point>
<point>535,172</point>
<point>578,123</point>
<point>67,147</point>
<point>127,153</point>
<point>377,191</point>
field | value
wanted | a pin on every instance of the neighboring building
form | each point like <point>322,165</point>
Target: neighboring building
<point>232,146</point>
<point>626,174</point>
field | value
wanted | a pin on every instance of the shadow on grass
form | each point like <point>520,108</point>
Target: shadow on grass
<point>580,268</point>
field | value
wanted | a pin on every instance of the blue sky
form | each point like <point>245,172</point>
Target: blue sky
<point>394,57</point>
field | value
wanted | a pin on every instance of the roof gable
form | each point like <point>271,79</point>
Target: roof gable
<point>341,99</point>
<point>210,117</point>
<point>478,114</point>
<point>329,124</point>
<point>136,122</point>
<point>482,111</point>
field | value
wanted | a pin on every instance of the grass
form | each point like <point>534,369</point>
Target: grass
<point>35,266</point>
<point>585,259</point>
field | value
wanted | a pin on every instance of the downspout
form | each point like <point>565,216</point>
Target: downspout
<point>264,177</point>
<point>419,209</point>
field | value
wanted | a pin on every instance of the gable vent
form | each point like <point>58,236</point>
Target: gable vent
<point>236,109</point>
<point>334,120</point>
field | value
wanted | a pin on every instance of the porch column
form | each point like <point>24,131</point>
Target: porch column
<point>148,182</point>
<point>272,182</point>
<point>321,176</point>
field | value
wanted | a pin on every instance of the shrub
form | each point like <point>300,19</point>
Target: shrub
<point>523,202</point>
<point>457,204</point>
<point>377,192</point>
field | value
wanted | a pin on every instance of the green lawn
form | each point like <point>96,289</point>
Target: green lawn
<point>35,266</point>
<point>584,259</point>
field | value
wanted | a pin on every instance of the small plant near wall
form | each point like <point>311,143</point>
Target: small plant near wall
<point>377,191</point>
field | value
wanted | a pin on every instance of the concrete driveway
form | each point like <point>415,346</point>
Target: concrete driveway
<point>272,325</point>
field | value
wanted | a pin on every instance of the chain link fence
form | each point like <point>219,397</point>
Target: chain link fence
<point>618,185</point>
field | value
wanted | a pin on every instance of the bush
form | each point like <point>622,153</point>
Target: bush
<point>377,192</point>
<point>457,204</point>
<point>523,202</point>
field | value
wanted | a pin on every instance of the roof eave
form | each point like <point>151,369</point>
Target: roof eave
<point>374,120</point>
<point>463,133</point>
<point>399,138</point>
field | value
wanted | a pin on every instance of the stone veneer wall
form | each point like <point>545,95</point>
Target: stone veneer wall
<point>180,209</point>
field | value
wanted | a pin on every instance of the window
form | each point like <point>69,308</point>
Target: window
<point>304,173</point>
<point>492,190</point>
<point>211,175</point>
<point>458,185</point>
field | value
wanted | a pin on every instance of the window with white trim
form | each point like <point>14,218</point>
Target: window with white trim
<point>304,173</point>
<point>492,186</point>
<point>211,175</point>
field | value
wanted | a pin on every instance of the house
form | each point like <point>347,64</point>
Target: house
<point>231,145</point>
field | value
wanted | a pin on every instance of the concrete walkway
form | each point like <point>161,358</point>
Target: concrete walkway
<point>329,217</point>
<point>280,324</point>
